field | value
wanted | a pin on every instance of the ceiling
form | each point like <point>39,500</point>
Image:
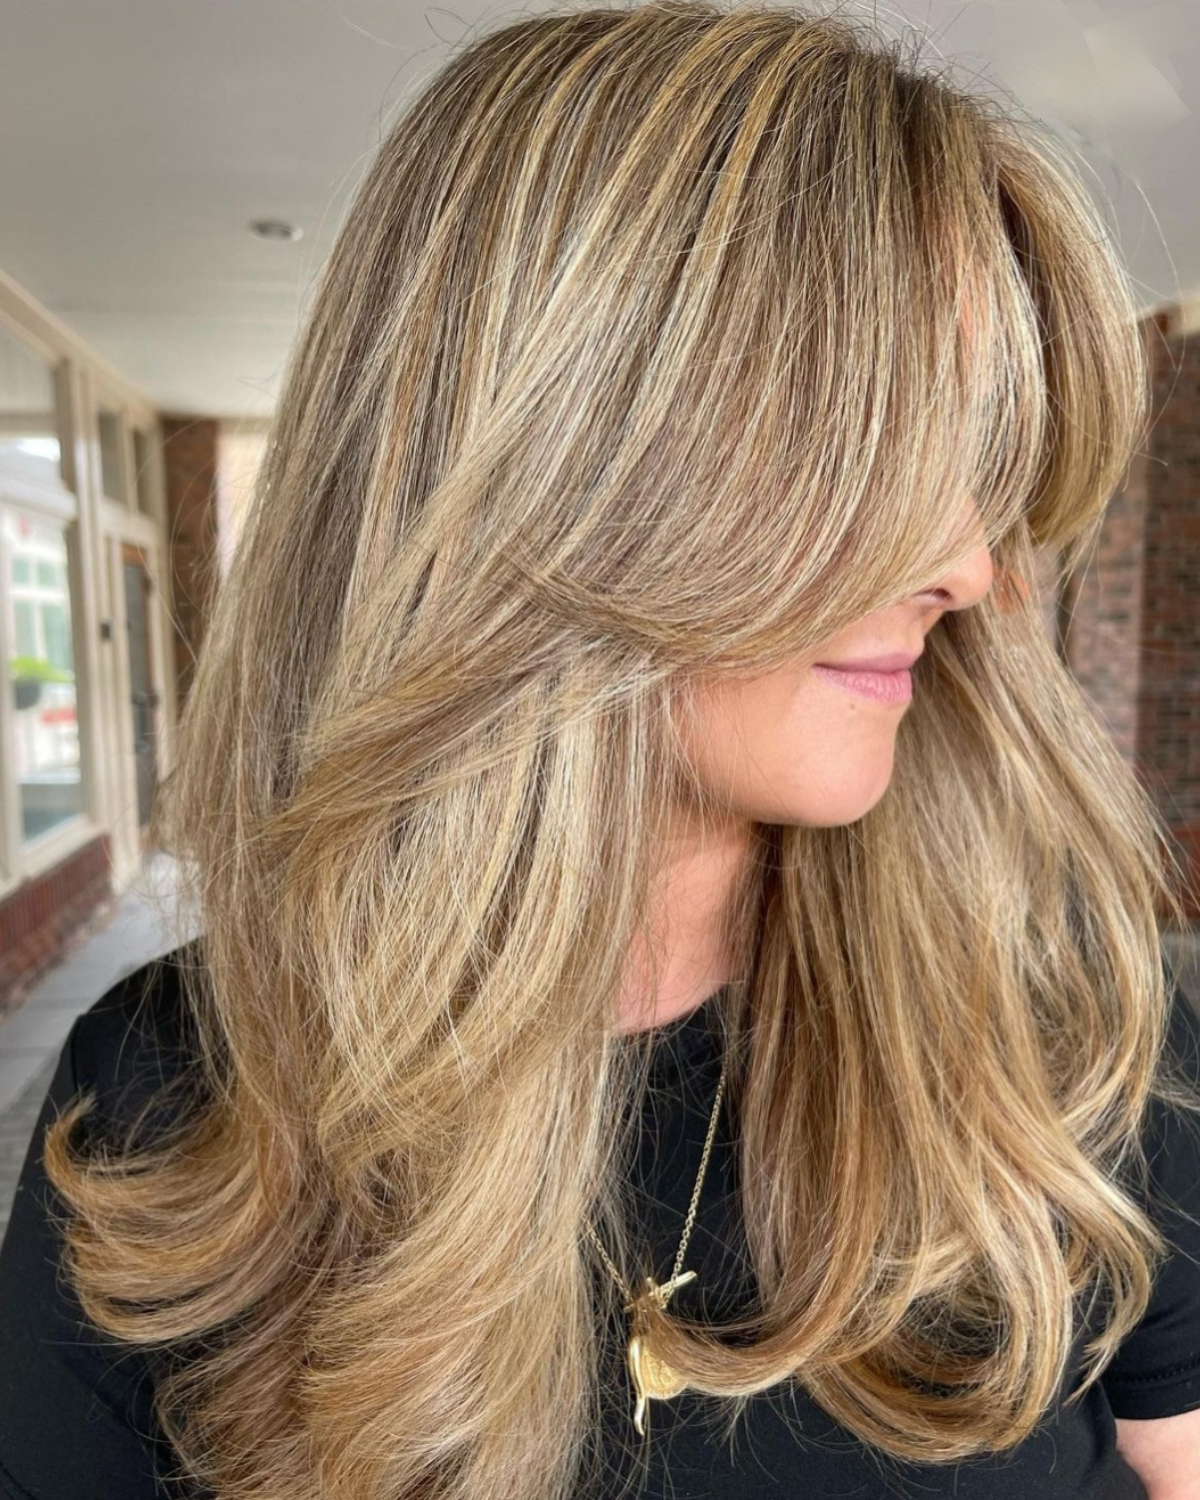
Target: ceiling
<point>139,138</point>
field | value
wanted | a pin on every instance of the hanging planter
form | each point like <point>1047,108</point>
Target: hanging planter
<point>28,691</point>
<point>30,674</point>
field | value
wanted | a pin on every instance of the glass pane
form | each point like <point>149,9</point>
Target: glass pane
<point>56,632</point>
<point>26,612</point>
<point>29,440</point>
<point>110,454</point>
<point>144,454</point>
<point>42,673</point>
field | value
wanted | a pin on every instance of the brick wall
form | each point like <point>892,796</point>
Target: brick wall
<point>1102,613</point>
<point>191,460</point>
<point>1169,684</point>
<point>1134,637</point>
<point>40,918</point>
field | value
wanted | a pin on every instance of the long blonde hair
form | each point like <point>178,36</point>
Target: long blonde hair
<point>640,358</point>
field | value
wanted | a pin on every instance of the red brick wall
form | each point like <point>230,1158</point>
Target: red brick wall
<point>1104,613</point>
<point>190,456</point>
<point>1134,639</point>
<point>1169,688</point>
<point>38,921</point>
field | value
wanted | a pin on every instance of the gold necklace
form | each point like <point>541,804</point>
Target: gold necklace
<point>652,1377</point>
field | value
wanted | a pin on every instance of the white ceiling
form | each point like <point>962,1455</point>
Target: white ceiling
<point>138,139</point>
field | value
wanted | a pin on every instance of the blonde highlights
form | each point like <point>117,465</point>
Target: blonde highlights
<point>641,356</point>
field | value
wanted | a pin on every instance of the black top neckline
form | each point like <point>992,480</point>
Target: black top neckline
<point>692,1040</point>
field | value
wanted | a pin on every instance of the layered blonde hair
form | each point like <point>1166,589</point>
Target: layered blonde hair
<point>642,358</point>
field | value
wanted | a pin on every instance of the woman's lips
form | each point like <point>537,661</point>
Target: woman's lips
<point>883,687</point>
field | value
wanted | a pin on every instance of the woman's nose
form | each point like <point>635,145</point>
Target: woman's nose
<point>970,578</point>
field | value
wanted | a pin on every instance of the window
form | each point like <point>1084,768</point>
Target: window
<point>30,444</point>
<point>110,455</point>
<point>41,671</point>
<point>145,456</point>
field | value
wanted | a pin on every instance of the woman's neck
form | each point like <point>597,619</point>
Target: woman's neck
<point>695,887</point>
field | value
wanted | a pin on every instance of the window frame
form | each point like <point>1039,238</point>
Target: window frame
<point>12,470</point>
<point>21,860</point>
<point>107,401</point>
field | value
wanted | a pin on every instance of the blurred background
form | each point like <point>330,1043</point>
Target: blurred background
<point>172,175</point>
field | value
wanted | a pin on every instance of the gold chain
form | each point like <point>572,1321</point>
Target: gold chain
<point>669,1284</point>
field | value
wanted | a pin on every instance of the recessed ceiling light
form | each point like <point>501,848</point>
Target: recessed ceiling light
<point>275,229</point>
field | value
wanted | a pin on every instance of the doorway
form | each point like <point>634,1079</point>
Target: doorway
<point>143,699</point>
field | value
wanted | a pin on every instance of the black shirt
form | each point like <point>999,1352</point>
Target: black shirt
<point>76,1421</point>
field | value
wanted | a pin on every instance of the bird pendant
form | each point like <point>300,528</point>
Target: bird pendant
<point>653,1378</point>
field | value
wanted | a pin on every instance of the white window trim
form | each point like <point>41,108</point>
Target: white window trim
<point>84,382</point>
<point>21,860</point>
<point>32,479</point>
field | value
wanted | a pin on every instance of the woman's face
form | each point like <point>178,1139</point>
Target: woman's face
<point>799,746</point>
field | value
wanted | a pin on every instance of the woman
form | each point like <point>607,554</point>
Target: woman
<point>626,1047</point>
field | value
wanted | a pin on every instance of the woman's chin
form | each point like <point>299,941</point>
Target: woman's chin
<point>851,800</point>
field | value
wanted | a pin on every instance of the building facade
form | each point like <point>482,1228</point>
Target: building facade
<point>88,714</point>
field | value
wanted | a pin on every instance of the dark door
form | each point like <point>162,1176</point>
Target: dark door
<point>143,698</point>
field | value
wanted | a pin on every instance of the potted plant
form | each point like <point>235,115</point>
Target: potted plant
<point>29,673</point>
